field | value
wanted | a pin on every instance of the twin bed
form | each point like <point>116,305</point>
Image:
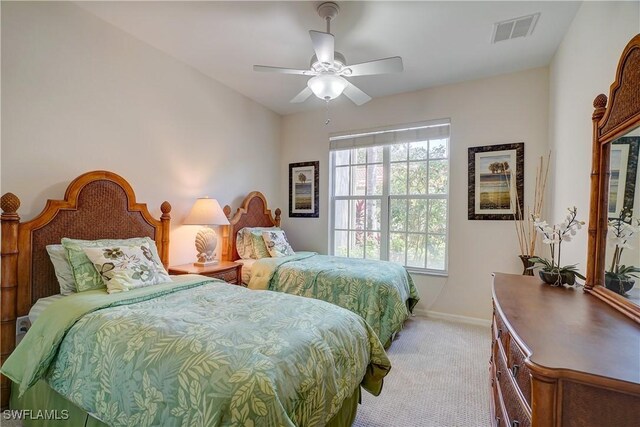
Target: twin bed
<point>382,293</point>
<point>193,351</point>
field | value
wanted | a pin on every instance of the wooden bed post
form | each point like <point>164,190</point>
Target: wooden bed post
<point>165,221</point>
<point>8,285</point>
<point>277,219</point>
<point>227,245</point>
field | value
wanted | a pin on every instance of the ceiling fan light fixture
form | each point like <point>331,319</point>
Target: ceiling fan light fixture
<point>327,86</point>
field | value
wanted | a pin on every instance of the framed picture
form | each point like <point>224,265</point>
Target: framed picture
<point>303,189</point>
<point>496,181</point>
<point>624,169</point>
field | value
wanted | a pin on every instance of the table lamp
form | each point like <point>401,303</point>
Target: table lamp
<point>206,212</point>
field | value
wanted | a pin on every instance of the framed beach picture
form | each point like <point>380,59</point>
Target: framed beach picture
<point>624,168</point>
<point>496,181</point>
<point>303,189</point>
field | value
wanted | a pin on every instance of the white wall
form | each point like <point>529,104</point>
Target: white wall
<point>583,67</point>
<point>504,109</point>
<point>79,94</point>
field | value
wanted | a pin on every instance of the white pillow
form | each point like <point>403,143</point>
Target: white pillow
<point>277,243</point>
<point>125,267</point>
<point>62,268</point>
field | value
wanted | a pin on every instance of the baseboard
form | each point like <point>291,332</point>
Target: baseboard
<point>452,317</point>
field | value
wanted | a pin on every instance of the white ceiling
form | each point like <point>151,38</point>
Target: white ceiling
<point>440,42</point>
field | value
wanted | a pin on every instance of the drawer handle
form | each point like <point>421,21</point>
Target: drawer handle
<point>515,423</point>
<point>499,333</point>
<point>514,370</point>
<point>498,375</point>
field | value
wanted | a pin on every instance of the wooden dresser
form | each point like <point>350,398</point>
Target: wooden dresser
<point>561,357</point>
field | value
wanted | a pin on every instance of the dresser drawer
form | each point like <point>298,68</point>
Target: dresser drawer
<point>516,414</point>
<point>501,332</point>
<point>519,371</point>
<point>499,419</point>
<point>229,276</point>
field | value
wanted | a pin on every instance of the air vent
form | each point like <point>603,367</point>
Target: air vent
<point>514,28</point>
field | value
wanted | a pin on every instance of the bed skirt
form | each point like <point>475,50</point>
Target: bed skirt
<point>49,408</point>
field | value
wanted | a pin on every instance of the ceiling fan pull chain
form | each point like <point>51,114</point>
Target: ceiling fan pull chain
<point>328,120</point>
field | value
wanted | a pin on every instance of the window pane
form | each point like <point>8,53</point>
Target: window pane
<point>341,219</point>
<point>414,178</point>
<point>438,149</point>
<point>438,176</point>
<point>398,152</point>
<point>436,247</point>
<point>417,178</point>
<point>416,249</point>
<point>417,216</point>
<point>342,181</point>
<point>398,217</point>
<point>374,155</point>
<point>356,244</point>
<point>398,178</point>
<point>356,220</point>
<point>437,216</point>
<point>374,180</point>
<point>373,246</point>
<point>340,243</point>
<point>419,150</point>
<point>358,177</point>
<point>373,213</point>
<point>397,243</point>
<point>342,157</point>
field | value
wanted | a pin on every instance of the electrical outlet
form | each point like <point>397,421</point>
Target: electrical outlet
<point>22,325</point>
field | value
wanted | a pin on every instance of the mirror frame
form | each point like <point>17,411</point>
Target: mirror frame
<point>609,123</point>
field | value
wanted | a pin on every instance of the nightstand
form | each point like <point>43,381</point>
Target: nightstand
<point>230,272</point>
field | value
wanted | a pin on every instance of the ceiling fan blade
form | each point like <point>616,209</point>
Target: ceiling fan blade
<point>265,68</point>
<point>323,44</point>
<point>356,95</point>
<point>302,96</point>
<point>379,66</point>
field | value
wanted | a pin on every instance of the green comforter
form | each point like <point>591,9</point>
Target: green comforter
<point>196,352</point>
<point>381,292</point>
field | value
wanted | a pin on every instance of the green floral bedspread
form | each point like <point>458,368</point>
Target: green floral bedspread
<point>381,292</point>
<point>198,352</point>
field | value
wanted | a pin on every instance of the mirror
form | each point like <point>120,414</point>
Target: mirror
<point>622,259</point>
<point>615,189</point>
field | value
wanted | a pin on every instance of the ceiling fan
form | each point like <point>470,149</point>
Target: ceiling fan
<point>329,68</point>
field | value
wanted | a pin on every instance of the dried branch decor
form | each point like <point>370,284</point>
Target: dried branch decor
<point>525,227</point>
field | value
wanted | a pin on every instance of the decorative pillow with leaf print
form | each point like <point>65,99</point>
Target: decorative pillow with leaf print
<point>259,248</point>
<point>249,243</point>
<point>84,273</point>
<point>277,243</point>
<point>127,267</point>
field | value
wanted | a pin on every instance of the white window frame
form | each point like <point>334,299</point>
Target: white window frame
<point>386,197</point>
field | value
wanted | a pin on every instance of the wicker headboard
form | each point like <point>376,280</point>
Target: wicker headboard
<point>96,205</point>
<point>252,213</point>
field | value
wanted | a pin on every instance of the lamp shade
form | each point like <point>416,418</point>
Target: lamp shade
<point>206,211</point>
<point>327,86</point>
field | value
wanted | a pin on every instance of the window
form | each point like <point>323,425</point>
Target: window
<point>390,195</point>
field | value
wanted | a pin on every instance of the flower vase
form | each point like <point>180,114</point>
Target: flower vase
<point>555,278</point>
<point>618,286</point>
<point>528,271</point>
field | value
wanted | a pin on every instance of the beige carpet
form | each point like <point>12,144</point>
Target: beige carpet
<point>439,378</point>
